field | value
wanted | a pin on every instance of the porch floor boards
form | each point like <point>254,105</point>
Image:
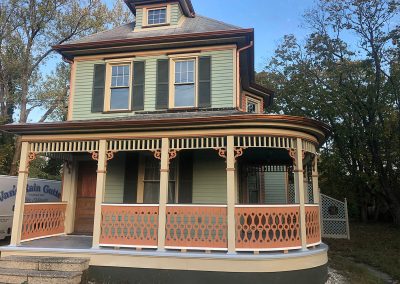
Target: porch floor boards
<point>61,242</point>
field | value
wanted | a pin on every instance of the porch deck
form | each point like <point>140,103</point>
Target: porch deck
<point>82,245</point>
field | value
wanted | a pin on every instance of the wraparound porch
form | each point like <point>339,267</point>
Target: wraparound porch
<point>243,222</point>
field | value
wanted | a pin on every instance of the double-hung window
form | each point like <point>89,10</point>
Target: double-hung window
<point>120,86</point>
<point>157,16</point>
<point>185,83</point>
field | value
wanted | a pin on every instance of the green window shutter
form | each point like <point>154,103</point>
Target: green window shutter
<point>138,85</point>
<point>185,195</point>
<point>204,82</point>
<point>162,93</point>
<point>98,87</point>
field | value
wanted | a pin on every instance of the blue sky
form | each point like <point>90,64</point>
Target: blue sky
<point>271,19</point>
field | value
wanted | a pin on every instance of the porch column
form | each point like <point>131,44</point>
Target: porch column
<point>164,179</point>
<point>231,192</point>
<point>299,185</point>
<point>100,188</point>
<point>315,180</point>
<point>69,194</point>
<point>20,196</point>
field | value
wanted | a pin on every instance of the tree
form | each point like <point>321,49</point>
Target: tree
<point>40,25</point>
<point>354,86</point>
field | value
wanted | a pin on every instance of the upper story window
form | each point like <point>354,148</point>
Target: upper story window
<point>185,83</point>
<point>120,87</point>
<point>157,16</point>
<point>253,105</point>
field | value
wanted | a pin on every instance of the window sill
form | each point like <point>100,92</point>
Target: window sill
<point>117,111</point>
<point>156,26</point>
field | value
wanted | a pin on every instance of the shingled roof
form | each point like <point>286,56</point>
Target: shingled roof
<point>198,24</point>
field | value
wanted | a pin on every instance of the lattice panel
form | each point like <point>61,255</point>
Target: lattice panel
<point>59,147</point>
<point>264,142</point>
<point>309,147</point>
<point>198,143</point>
<point>309,188</point>
<point>196,227</point>
<point>332,208</point>
<point>335,221</point>
<point>267,228</point>
<point>334,229</point>
<point>313,229</point>
<point>134,145</point>
<point>135,226</point>
<point>42,220</point>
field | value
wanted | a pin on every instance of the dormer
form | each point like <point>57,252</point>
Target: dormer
<point>160,14</point>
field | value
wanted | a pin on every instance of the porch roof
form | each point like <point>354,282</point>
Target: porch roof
<point>171,120</point>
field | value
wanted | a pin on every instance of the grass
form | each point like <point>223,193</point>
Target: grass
<point>377,245</point>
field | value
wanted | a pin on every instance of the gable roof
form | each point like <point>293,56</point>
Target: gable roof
<point>198,24</point>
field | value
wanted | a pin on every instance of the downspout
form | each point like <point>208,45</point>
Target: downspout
<point>238,72</point>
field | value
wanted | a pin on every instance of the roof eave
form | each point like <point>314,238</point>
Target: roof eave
<point>156,39</point>
<point>138,125</point>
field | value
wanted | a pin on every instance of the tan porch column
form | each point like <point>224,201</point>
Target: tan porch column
<point>20,196</point>
<point>164,179</point>
<point>299,185</point>
<point>231,192</point>
<point>315,180</point>
<point>69,194</point>
<point>100,188</point>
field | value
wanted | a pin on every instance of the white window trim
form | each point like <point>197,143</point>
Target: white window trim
<point>257,102</point>
<point>172,62</point>
<point>146,15</point>
<point>107,95</point>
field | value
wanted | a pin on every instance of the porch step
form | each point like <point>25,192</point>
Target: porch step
<point>44,270</point>
<point>45,263</point>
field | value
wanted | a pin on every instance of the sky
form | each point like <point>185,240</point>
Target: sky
<point>271,19</point>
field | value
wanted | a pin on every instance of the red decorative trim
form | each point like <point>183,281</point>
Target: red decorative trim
<point>238,152</point>
<point>95,155</point>
<point>157,154</point>
<point>221,152</point>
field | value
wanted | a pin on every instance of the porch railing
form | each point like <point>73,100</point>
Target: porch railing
<point>313,225</point>
<point>129,225</point>
<point>43,220</point>
<point>267,228</point>
<point>196,227</point>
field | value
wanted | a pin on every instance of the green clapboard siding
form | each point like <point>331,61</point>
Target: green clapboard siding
<point>275,191</point>
<point>222,85</point>
<point>176,14</point>
<point>139,18</point>
<point>209,178</point>
<point>115,180</point>
<point>222,82</point>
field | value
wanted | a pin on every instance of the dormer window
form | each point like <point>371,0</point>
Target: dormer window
<point>253,105</point>
<point>157,16</point>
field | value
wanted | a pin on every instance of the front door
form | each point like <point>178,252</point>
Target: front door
<point>85,199</point>
<point>252,185</point>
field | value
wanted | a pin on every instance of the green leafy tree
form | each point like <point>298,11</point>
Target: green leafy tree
<point>354,88</point>
<point>37,26</point>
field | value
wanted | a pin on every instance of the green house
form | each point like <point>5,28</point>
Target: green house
<point>174,172</point>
